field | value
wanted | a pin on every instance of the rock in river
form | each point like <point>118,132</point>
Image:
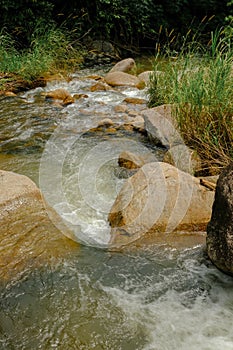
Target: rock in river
<point>159,199</point>
<point>27,234</point>
<point>220,228</point>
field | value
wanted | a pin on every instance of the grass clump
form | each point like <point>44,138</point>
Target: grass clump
<point>50,51</point>
<point>198,82</point>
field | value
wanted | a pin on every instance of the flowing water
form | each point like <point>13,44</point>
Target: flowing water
<point>148,298</point>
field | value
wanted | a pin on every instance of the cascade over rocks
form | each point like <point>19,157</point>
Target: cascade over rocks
<point>159,199</point>
<point>27,227</point>
<point>220,228</point>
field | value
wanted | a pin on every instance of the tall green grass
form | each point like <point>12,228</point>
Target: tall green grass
<point>50,51</point>
<point>198,82</point>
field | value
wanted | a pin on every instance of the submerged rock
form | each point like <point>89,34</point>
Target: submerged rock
<point>220,228</point>
<point>27,234</point>
<point>159,199</point>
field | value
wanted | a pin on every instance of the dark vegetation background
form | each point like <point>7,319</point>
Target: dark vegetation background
<point>130,25</point>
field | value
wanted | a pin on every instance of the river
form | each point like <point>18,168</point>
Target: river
<point>153,298</point>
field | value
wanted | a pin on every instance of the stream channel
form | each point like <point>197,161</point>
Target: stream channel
<point>155,298</point>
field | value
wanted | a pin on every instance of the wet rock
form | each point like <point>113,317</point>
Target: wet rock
<point>126,65</point>
<point>111,130</point>
<point>131,160</point>
<point>135,100</point>
<point>106,122</point>
<point>220,228</point>
<point>157,201</point>
<point>9,94</point>
<point>138,123</point>
<point>27,233</point>
<point>122,79</point>
<point>60,94</point>
<point>78,96</point>
<point>100,86</point>
<point>132,113</point>
<point>95,77</point>
<point>120,108</point>
<point>68,100</point>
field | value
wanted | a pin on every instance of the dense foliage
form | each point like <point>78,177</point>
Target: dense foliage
<point>138,23</point>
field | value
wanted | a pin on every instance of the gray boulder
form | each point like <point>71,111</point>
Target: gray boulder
<point>220,228</point>
<point>161,126</point>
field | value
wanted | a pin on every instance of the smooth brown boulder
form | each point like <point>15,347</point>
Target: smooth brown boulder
<point>125,65</point>
<point>219,239</point>
<point>159,199</point>
<point>60,94</point>
<point>28,236</point>
<point>100,86</point>
<point>122,79</point>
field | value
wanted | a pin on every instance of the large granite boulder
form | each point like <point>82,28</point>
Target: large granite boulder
<point>220,228</point>
<point>162,129</point>
<point>27,234</point>
<point>159,199</point>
